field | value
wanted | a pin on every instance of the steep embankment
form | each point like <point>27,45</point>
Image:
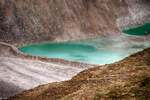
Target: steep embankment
<point>128,79</point>
<point>37,21</point>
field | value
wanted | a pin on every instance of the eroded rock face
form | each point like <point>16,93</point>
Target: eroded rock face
<point>36,21</point>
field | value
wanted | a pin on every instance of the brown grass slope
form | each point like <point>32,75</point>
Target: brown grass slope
<point>128,79</point>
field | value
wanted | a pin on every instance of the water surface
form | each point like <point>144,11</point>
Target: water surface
<point>139,31</point>
<point>93,51</point>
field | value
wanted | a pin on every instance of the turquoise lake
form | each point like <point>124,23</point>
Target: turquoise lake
<point>93,51</point>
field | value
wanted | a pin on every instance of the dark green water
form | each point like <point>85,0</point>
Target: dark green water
<point>97,51</point>
<point>139,31</point>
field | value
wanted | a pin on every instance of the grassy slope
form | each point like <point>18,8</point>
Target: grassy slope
<point>129,78</point>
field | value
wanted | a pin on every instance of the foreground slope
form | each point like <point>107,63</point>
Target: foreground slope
<point>129,78</point>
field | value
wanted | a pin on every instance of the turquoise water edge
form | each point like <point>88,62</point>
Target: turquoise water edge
<point>93,51</point>
<point>138,31</point>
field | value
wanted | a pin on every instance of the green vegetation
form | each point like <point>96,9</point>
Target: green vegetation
<point>139,31</point>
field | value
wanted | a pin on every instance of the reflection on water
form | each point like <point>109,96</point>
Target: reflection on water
<point>95,51</point>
